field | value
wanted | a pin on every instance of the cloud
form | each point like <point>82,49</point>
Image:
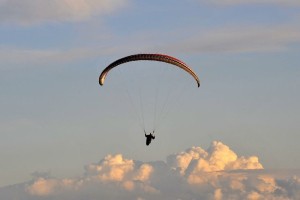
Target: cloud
<point>36,11</point>
<point>195,161</point>
<point>16,58</point>
<point>238,39</point>
<point>239,2</point>
<point>216,173</point>
<point>45,187</point>
<point>112,168</point>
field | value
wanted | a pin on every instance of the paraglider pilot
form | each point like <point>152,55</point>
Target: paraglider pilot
<point>149,137</point>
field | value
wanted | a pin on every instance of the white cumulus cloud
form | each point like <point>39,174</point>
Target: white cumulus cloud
<point>215,173</point>
<point>217,158</point>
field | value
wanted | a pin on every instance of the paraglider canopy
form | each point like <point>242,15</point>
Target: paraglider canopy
<point>151,57</point>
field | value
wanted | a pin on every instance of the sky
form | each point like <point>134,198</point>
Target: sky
<point>63,136</point>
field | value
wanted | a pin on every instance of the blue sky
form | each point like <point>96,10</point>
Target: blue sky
<point>56,118</point>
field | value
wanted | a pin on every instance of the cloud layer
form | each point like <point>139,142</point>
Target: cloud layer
<point>36,11</point>
<point>238,2</point>
<point>215,173</point>
<point>222,40</point>
<point>240,39</point>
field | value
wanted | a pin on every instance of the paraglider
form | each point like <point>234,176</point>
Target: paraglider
<point>149,57</point>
